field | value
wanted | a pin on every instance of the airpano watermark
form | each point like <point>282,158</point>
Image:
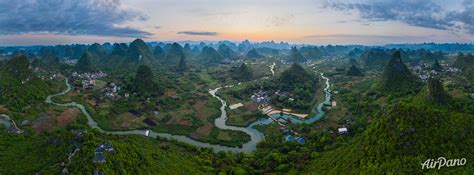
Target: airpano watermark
<point>442,162</point>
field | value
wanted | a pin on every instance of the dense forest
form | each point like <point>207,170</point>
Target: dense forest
<point>400,107</point>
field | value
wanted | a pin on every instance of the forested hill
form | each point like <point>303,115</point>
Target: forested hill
<point>400,139</point>
<point>396,78</point>
<point>446,47</point>
<point>19,86</point>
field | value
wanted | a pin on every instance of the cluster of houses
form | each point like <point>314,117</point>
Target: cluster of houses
<point>307,62</point>
<point>424,76</point>
<point>453,70</point>
<point>100,150</point>
<point>424,71</point>
<point>54,76</point>
<point>89,75</point>
<point>448,67</point>
<point>111,90</point>
<point>261,97</point>
<point>70,61</point>
<point>88,79</point>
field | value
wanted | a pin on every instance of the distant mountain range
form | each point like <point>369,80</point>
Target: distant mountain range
<point>76,50</point>
<point>442,47</point>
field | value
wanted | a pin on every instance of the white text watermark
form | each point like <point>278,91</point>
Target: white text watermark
<point>442,162</point>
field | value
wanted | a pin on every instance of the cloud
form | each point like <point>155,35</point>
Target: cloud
<point>198,33</point>
<point>368,39</point>
<point>278,21</point>
<point>421,13</point>
<point>69,17</point>
<point>210,12</point>
<point>350,36</point>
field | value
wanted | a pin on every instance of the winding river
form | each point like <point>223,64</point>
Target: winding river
<point>319,113</point>
<point>272,68</point>
<point>255,135</point>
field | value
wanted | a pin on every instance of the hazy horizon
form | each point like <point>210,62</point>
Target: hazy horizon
<point>234,41</point>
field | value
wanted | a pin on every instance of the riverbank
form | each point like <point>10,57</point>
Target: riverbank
<point>248,147</point>
<point>220,122</point>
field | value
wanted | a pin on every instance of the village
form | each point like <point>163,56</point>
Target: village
<point>424,70</point>
<point>263,99</point>
<point>87,81</point>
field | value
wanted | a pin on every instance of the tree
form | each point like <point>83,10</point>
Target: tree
<point>182,66</point>
<point>436,66</point>
<point>97,50</point>
<point>144,83</point>
<point>243,73</point>
<point>139,51</point>
<point>210,55</point>
<point>374,58</point>
<point>295,56</point>
<point>119,49</point>
<point>226,52</point>
<point>436,91</point>
<point>397,78</point>
<point>254,54</point>
<point>354,71</point>
<point>84,64</point>
<point>158,53</point>
<point>174,53</point>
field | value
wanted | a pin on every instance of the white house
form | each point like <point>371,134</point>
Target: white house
<point>342,131</point>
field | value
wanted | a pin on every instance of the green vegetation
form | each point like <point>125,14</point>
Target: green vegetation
<point>33,154</point>
<point>227,52</point>
<point>310,52</point>
<point>436,66</point>
<point>394,122</point>
<point>210,56</point>
<point>352,61</point>
<point>243,73</point>
<point>253,54</point>
<point>295,77</point>
<point>397,78</point>
<point>464,61</point>
<point>139,51</point>
<point>295,83</point>
<point>436,91</point>
<point>144,83</point>
<point>19,86</point>
<point>374,58</point>
<point>173,53</point>
<point>97,50</point>
<point>295,56</point>
<point>119,49</point>
<point>84,64</point>
<point>182,65</point>
<point>354,71</point>
<point>21,154</point>
<point>400,140</point>
<point>159,53</point>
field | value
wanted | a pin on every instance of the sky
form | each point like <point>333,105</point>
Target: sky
<point>368,22</point>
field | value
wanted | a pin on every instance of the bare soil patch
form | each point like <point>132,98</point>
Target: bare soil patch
<point>204,130</point>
